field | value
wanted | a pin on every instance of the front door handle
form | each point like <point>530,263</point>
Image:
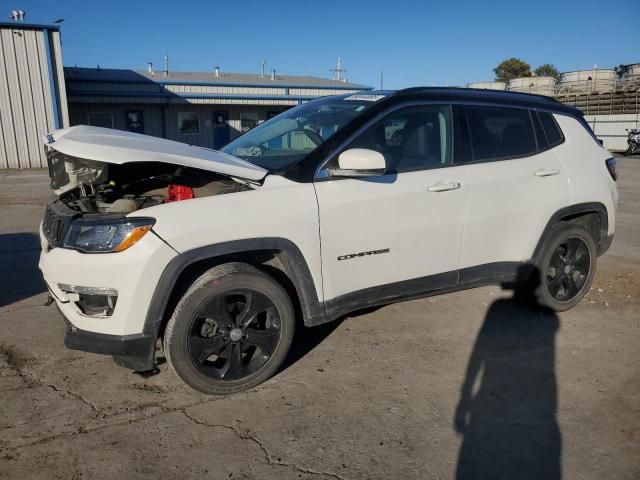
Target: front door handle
<point>546,172</point>
<point>444,187</point>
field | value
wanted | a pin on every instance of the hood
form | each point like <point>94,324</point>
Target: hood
<point>95,145</point>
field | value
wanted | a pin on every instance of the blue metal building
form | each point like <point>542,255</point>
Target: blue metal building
<point>206,109</point>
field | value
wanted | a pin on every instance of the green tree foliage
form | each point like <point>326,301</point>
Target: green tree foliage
<point>547,70</point>
<point>512,68</point>
<point>621,70</point>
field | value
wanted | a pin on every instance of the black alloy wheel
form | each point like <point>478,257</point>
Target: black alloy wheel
<point>234,334</point>
<point>568,269</point>
<point>231,330</point>
<point>565,267</point>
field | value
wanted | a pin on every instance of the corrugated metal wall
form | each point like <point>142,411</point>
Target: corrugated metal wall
<point>32,93</point>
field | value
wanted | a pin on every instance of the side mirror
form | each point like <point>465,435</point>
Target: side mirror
<point>359,162</point>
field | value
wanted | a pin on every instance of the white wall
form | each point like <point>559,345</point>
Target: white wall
<point>611,128</point>
<point>28,92</point>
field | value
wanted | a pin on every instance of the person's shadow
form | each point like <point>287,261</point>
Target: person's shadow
<point>508,422</point>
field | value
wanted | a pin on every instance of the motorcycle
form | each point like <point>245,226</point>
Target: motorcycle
<point>633,139</point>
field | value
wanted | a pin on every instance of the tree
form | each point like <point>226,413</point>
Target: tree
<point>621,70</point>
<point>512,68</point>
<point>547,70</point>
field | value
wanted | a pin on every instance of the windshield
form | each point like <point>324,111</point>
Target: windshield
<point>286,139</point>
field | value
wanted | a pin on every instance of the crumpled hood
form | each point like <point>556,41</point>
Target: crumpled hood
<point>95,145</point>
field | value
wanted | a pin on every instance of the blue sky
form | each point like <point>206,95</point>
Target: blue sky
<point>415,42</point>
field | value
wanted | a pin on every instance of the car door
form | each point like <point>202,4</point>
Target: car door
<point>515,182</point>
<point>399,233</point>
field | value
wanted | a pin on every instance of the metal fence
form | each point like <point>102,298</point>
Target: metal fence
<point>608,103</point>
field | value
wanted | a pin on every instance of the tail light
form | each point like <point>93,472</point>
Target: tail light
<point>612,166</point>
<point>177,193</point>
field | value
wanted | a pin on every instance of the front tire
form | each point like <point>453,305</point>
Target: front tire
<point>565,267</point>
<point>231,330</point>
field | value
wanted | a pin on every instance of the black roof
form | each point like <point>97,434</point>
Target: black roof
<point>477,95</point>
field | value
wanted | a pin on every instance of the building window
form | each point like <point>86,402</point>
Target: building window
<point>134,120</point>
<point>188,123</point>
<point>100,119</point>
<point>248,120</point>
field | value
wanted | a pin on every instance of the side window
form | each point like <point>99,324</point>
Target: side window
<point>413,138</point>
<point>541,137</point>
<point>462,143</point>
<point>500,132</point>
<point>551,129</point>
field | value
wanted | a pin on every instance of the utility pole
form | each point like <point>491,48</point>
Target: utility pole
<point>338,72</point>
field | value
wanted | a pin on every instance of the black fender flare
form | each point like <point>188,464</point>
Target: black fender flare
<point>294,264</point>
<point>575,210</point>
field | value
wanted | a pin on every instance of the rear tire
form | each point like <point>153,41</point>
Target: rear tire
<point>565,267</point>
<point>231,330</point>
<point>628,151</point>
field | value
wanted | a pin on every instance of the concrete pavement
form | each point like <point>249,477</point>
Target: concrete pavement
<point>465,382</point>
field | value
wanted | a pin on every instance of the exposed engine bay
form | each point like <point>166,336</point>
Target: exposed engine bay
<point>88,186</point>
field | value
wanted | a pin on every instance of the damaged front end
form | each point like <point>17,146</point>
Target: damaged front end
<point>103,171</point>
<point>93,187</point>
<point>102,179</point>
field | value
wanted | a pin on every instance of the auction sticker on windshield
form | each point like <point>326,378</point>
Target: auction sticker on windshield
<point>366,98</point>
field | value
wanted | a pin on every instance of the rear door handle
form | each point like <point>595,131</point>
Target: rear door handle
<point>546,172</point>
<point>444,187</point>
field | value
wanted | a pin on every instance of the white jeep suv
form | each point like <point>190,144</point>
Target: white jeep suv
<point>335,205</point>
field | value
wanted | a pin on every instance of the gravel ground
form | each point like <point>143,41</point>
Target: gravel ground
<point>469,384</point>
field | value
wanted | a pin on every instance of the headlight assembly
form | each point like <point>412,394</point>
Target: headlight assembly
<point>102,236</point>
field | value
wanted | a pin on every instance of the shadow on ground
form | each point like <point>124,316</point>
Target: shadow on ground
<point>507,408</point>
<point>306,339</point>
<point>19,274</point>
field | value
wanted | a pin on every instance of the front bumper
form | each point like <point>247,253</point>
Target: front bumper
<point>136,352</point>
<point>134,273</point>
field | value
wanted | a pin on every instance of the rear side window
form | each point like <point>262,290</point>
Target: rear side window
<point>500,132</point>
<point>551,129</point>
<point>462,144</point>
<point>543,143</point>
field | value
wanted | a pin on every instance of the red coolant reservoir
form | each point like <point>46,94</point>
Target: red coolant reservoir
<point>177,193</point>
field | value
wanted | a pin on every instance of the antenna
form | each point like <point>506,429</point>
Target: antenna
<point>166,64</point>
<point>338,72</point>
<point>381,79</point>
<point>262,71</point>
